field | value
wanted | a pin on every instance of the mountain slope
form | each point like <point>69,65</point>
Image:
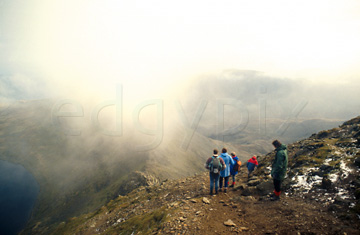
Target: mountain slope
<point>307,206</point>
<point>80,173</point>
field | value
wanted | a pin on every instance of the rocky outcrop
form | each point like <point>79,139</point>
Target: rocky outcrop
<point>137,179</point>
<point>325,167</point>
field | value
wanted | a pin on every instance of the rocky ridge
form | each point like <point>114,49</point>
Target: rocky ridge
<point>325,168</point>
<point>320,196</point>
<point>185,207</point>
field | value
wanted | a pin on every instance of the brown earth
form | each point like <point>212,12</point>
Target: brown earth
<point>179,207</point>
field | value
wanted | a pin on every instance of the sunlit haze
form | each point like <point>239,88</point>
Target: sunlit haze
<point>148,46</point>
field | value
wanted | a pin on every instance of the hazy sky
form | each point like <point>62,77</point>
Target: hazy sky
<point>90,45</point>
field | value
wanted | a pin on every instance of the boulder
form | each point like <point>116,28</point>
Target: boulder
<point>326,183</point>
<point>265,187</point>
<point>138,179</point>
<point>249,191</point>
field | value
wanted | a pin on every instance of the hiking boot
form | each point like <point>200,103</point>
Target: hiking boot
<point>231,186</point>
<point>211,193</point>
<point>224,190</point>
<point>274,198</point>
<point>220,190</point>
<point>216,192</point>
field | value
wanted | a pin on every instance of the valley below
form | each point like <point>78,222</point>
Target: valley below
<point>78,174</point>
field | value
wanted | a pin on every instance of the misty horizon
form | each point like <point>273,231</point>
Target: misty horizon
<point>92,92</point>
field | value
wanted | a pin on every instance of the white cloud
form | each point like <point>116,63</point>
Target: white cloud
<point>150,45</point>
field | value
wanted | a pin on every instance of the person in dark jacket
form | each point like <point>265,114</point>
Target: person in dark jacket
<point>279,167</point>
<point>214,176</point>
<point>251,164</point>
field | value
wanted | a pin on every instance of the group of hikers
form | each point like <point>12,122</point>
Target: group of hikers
<point>223,166</point>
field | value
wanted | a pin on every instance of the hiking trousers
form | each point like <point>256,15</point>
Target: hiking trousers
<point>214,179</point>
<point>277,185</point>
<point>226,184</point>
<point>233,178</point>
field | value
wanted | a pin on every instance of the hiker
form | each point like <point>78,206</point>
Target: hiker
<point>251,164</point>
<point>214,164</point>
<point>279,167</point>
<point>225,174</point>
<point>235,168</point>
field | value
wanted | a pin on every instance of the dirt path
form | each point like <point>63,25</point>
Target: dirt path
<point>185,207</point>
<point>251,214</point>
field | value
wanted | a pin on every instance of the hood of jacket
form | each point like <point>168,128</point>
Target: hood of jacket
<point>282,147</point>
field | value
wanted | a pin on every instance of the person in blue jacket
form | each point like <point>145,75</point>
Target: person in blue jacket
<point>233,172</point>
<point>225,174</point>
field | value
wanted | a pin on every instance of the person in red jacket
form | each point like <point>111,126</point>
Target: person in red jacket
<point>251,164</point>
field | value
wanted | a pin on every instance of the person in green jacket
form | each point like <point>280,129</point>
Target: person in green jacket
<point>279,167</point>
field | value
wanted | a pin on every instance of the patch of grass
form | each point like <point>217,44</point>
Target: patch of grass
<point>323,134</point>
<point>143,224</point>
<point>73,225</point>
<point>308,160</point>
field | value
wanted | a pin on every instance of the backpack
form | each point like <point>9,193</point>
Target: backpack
<point>215,165</point>
<point>237,166</point>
